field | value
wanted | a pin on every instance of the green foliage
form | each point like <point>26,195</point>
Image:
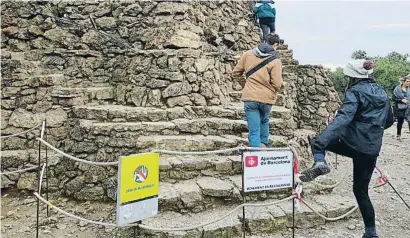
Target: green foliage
<point>387,70</point>
<point>359,54</point>
<point>337,77</point>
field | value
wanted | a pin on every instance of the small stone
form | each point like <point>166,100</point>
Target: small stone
<point>351,227</point>
<point>10,213</point>
<point>82,223</point>
<point>62,226</point>
<point>24,229</point>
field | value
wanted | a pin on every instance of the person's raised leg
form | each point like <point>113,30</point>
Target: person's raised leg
<point>320,166</point>
<point>363,167</point>
<point>254,122</point>
<point>264,110</point>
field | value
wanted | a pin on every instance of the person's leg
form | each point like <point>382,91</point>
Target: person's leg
<point>400,121</point>
<point>363,167</point>
<point>272,26</point>
<point>264,110</point>
<point>265,30</point>
<point>254,122</point>
<point>320,166</point>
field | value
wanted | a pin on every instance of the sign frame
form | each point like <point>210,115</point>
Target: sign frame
<point>134,208</point>
<point>291,186</point>
<point>282,158</point>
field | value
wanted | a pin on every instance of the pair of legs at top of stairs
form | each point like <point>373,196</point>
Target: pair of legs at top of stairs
<point>363,167</point>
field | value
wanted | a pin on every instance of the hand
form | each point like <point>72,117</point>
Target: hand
<point>405,100</point>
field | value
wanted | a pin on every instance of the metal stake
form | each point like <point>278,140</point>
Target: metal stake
<point>45,133</point>
<point>398,194</point>
<point>38,184</point>
<point>243,198</point>
<point>294,199</point>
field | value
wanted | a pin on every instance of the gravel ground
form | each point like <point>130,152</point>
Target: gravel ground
<point>18,215</point>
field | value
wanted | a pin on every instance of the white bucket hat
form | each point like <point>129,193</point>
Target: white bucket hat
<point>358,68</point>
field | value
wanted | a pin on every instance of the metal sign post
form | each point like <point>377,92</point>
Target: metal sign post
<point>267,170</point>
<point>47,174</point>
<point>243,200</point>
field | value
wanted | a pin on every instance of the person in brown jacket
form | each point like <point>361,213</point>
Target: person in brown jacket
<point>263,79</point>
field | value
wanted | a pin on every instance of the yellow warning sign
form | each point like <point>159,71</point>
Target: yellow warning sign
<point>139,177</point>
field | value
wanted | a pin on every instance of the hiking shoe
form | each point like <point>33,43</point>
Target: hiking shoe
<point>318,169</point>
<point>369,236</point>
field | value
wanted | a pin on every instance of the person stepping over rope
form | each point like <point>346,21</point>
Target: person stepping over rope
<point>356,132</point>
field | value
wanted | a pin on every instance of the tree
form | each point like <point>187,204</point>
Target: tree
<point>359,54</point>
<point>337,78</point>
<point>390,69</point>
<point>387,70</point>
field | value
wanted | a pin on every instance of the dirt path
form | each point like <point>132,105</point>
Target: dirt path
<point>18,213</point>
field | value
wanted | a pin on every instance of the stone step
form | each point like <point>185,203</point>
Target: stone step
<point>195,142</point>
<point>233,111</point>
<point>36,55</point>
<point>272,220</point>
<point>237,95</point>
<point>204,126</point>
<point>49,79</point>
<point>199,194</point>
<point>175,168</point>
<point>133,144</point>
<point>12,160</point>
<point>46,80</point>
<point>81,96</point>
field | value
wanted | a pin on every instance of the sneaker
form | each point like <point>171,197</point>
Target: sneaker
<point>369,236</point>
<point>399,137</point>
<point>318,169</point>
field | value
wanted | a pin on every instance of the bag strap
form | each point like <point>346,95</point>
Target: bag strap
<point>259,66</point>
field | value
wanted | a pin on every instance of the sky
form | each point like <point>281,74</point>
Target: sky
<point>327,32</point>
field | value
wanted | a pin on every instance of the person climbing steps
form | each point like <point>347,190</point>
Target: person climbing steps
<point>266,14</point>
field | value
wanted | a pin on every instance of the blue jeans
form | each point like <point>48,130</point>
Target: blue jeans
<point>257,116</point>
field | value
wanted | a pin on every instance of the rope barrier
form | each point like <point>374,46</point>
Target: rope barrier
<point>19,171</point>
<point>75,158</point>
<point>161,229</point>
<point>20,133</point>
<point>238,148</point>
<point>43,128</point>
<point>330,218</point>
<point>41,179</point>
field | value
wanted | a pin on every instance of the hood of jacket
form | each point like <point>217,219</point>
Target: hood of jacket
<point>374,93</point>
<point>263,50</point>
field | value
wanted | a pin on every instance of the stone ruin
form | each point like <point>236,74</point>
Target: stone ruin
<point>115,78</point>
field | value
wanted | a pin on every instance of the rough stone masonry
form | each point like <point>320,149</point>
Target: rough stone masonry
<point>119,77</point>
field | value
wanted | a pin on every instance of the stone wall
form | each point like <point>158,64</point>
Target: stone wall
<point>173,58</point>
<point>316,97</point>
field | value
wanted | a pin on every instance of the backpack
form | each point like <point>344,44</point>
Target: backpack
<point>266,10</point>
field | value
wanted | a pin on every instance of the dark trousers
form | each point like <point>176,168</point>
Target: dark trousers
<point>267,26</point>
<point>363,167</point>
<point>400,122</point>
